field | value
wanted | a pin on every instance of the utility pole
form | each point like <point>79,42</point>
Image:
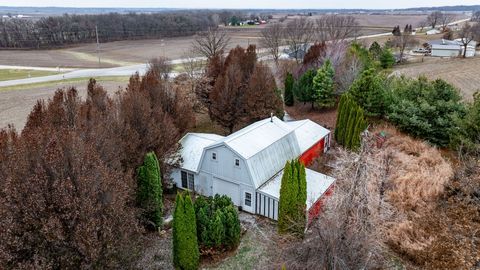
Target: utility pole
<point>98,46</point>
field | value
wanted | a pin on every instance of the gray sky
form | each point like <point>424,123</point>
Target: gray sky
<point>279,4</point>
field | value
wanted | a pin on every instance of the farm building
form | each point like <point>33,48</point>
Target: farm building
<point>247,165</point>
<point>451,48</point>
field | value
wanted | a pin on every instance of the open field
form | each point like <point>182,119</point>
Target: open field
<point>127,52</point>
<point>16,103</point>
<point>463,73</point>
<point>14,74</point>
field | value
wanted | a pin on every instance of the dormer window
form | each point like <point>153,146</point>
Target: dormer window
<point>214,156</point>
<point>237,162</point>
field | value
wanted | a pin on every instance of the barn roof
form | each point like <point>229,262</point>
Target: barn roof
<point>317,185</point>
<point>308,133</point>
<point>192,148</point>
<point>265,145</point>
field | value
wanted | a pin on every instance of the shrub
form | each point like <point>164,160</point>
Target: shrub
<point>304,87</point>
<point>466,136</point>
<point>426,109</point>
<point>350,123</point>
<point>149,190</point>
<point>218,225</point>
<point>387,59</point>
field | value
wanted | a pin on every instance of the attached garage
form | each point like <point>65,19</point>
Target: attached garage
<point>223,187</point>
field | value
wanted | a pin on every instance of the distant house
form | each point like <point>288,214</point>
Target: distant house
<point>451,48</point>
<point>247,165</point>
<point>433,32</point>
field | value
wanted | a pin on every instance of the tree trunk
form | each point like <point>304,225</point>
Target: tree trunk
<point>465,50</point>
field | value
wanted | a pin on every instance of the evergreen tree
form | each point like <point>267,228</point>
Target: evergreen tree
<point>285,201</point>
<point>368,92</point>
<point>149,191</point>
<point>185,246</point>
<point>289,85</point>
<point>375,50</point>
<point>339,128</point>
<point>387,59</point>
<point>323,86</point>
<point>350,123</point>
<point>304,87</point>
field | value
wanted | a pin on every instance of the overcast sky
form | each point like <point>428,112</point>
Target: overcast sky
<point>279,4</point>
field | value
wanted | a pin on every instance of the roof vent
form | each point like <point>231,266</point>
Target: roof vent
<point>271,117</point>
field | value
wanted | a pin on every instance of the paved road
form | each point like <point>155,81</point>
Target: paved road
<point>127,70</point>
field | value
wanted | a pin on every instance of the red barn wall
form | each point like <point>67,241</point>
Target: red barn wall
<point>316,208</point>
<point>311,154</point>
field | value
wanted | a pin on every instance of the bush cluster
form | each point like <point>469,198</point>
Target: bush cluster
<point>218,225</point>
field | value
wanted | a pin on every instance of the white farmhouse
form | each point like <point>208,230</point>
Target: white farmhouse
<point>451,48</point>
<point>247,165</point>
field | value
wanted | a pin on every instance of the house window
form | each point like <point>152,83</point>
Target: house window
<point>248,199</point>
<point>237,162</point>
<point>214,156</point>
<point>188,180</point>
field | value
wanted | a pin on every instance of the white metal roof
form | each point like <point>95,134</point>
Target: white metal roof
<point>192,148</point>
<point>317,185</point>
<point>308,133</point>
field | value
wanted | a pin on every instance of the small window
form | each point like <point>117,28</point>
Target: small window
<point>237,162</point>
<point>188,180</point>
<point>248,199</point>
<point>214,156</point>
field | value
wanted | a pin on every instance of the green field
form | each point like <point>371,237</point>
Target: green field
<point>16,74</point>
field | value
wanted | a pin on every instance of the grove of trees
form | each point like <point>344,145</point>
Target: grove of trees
<point>68,181</point>
<point>58,31</point>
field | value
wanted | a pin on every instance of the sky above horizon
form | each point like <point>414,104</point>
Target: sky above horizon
<point>243,4</point>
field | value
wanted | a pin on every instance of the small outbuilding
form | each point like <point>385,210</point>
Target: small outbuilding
<point>247,165</point>
<point>451,48</point>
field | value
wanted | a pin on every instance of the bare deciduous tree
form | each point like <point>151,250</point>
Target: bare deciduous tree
<point>445,19</point>
<point>434,18</point>
<point>211,43</point>
<point>272,37</point>
<point>161,66</point>
<point>403,40</point>
<point>335,27</point>
<point>298,34</point>
<point>467,34</point>
<point>476,16</point>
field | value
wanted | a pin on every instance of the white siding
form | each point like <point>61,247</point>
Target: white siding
<point>445,53</point>
<point>266,206</point>
<point>224,166</point>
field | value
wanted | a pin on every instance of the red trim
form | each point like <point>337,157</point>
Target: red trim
<point>316,208</point>
<point>313,152</point>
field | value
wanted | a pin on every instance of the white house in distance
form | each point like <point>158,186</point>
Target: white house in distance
<point>451,48</point>
<point>247,165</point>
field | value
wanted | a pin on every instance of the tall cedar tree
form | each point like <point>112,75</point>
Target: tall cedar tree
<point>289,98</point>
<point>350,123</point>
<point>185,246</point>
<point>243,92</point>
<point>323,86</point>
<point>369,93</point>
<point>149,190</point>
<point>304,88</point>
<point>293,198</point>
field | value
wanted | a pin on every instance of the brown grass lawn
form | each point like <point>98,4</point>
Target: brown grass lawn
<point>325,118</point>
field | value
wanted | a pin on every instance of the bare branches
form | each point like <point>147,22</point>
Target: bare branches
<point>403,40</point>
<point>272,37</point>
<point>336,28</point>
<point>434,18</point>
<point>211,43</point>
<point>298,34</point>
<point>467,34</point>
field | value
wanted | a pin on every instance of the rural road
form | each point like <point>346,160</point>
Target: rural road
<point>124,70</point>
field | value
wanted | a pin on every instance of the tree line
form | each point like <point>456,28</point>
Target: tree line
<point>58,31</point>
